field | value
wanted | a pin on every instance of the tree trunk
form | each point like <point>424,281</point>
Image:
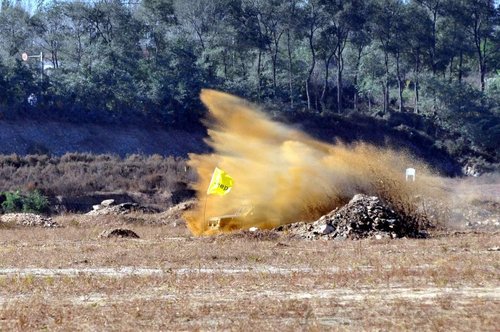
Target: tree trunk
<point>483,76</point>
<point>386,82</point>
<point>275,60</point>
<point>308,95</point>
<point>311,69</point>
<point>369,102</point>
<point>400,83</point>
<point>434,38</point>
<point>325,83</point>
<point>224,61</point>
<point>416,96</point>
<point>460,64</point>
<point>259,81</point>
<point>480,52</point>
<point>340,68</point>
<point>452,60</point>
<point>290,71</point>
<point>358,62</point>
<point>400,88</point>
<point>482,70</point>
<point>417,68</point>
<point>274,56</point>
<point>79,51</point>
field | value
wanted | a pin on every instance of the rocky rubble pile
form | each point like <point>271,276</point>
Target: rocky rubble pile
<point>364,216</point>
<point>28,219</point>
<point>109,206</point>
<point>174,215</point>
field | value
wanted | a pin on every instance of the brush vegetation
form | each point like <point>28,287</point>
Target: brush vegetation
<point>28,179</point>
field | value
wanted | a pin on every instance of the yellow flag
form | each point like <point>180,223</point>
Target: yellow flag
<point>220,184</point>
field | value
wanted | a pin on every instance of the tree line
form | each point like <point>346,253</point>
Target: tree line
<point>110,59</point>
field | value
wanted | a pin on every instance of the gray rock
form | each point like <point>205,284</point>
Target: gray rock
<point>108,202</point>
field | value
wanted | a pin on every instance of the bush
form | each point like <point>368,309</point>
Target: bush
<point>34,202</point>
<point>13,202</point>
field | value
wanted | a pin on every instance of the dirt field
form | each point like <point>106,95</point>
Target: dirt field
<point>70,279</point>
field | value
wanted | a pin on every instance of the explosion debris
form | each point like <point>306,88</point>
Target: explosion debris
<point>287,176</point>
<point>364,216</point>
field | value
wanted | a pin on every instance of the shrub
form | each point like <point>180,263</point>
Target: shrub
<point>35,202</point>
<point>13,202</point>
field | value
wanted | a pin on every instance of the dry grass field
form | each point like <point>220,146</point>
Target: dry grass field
<point>70,279</point>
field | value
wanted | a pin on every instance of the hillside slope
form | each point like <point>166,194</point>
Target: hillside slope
<point>58,138</point>
<point>407,132</point>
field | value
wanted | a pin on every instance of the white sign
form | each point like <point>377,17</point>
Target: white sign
<point>410,173</point>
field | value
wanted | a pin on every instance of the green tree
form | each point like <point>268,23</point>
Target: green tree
<point>15,32</point>
<point>480,24</point>
<point>344,17</point>
<point>388,28</point>
<point>418,39</point>
<point>313,22</point>
<point>455,45</point>
<point>51,31</point>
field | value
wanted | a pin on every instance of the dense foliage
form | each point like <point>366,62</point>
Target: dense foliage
<point>109,61</point>
<point>34,201</point>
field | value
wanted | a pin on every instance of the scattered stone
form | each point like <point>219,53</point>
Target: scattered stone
<point>119,232</point>
<point>28,219</point>
<point>108,207</point>
<point>364,216</point>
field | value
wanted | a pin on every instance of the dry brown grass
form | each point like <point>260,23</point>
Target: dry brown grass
<point>242,281</point>
<point>80,174</point>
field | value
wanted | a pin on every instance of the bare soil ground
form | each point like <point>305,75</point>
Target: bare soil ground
<point>70,279</point>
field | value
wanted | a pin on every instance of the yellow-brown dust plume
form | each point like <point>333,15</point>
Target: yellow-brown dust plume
<point>287,176</point>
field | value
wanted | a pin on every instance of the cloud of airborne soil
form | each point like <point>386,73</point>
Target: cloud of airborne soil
<point>288,176</point>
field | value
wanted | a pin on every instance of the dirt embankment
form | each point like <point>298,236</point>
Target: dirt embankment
<point>57,138</point>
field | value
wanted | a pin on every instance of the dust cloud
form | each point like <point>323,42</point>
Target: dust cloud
<point>287,176</point>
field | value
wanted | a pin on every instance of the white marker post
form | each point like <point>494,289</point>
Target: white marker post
<point>410,173</point>
<point>25,58</point>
